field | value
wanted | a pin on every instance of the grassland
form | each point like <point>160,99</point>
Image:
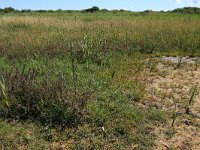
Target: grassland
<point>79,80</point>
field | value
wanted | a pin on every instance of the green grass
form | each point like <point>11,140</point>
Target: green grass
<point>21,135</point>
<point>75,78</point>
<point>157,115</point>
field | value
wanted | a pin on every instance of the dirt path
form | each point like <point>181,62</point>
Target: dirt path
<point>174,83</point>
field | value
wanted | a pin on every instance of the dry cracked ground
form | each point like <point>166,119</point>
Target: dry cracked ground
<point>173,86</point>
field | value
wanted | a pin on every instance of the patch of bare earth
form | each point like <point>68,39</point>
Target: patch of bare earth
<point>173,86</point>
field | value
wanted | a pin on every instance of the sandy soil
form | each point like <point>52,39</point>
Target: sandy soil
<point>173,84</point>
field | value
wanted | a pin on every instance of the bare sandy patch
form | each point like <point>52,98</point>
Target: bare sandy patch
<point>171,86</point>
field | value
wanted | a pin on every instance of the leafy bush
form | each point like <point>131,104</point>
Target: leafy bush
<point>26,10</point>
<point>92,10</point>
<point>8,9</point>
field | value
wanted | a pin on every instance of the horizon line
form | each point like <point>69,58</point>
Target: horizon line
<point>100,9</point>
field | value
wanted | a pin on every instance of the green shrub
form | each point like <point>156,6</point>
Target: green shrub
<point>92,10</point>
<point>30,94</point>
<point>8,9</point>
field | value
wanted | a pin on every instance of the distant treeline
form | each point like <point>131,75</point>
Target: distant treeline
<point>89,10</point>
<point>185,10</point>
